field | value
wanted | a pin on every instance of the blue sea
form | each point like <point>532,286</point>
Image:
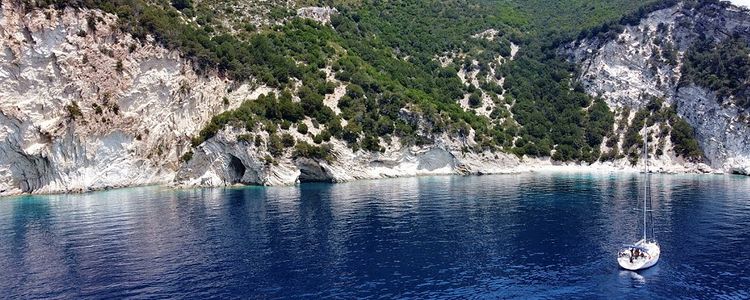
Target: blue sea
<point>526,236</point>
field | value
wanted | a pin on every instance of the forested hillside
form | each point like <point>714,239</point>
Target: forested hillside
<point>723,67</point>
<point>482,71</point>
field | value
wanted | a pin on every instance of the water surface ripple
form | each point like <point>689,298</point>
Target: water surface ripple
<point>504,236</point>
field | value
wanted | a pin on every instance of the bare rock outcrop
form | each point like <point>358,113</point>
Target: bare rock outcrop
<point>632,66</point>
<point>85,107</point>
<point>319,14</point>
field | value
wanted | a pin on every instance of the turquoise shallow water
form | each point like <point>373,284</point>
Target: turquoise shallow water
<point>505,236</point>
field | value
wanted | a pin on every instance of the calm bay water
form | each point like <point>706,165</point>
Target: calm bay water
<point>505,236</point>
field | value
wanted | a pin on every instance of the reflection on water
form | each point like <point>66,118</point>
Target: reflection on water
<point>509,236</point>
<point>636,279</point>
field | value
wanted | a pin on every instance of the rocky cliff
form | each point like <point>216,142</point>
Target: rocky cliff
<point>84,106</point>
<point>646,60</point>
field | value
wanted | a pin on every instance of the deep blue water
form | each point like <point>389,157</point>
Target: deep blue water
<point>506,236</point>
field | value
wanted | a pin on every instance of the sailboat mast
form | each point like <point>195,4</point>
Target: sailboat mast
<point>645,173</point>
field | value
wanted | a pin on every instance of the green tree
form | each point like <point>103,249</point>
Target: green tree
<point>302,128</point>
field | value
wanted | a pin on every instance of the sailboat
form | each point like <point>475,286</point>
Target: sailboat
<point>644,253</point>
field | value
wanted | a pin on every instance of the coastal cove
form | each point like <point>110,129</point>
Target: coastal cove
<point>509,236</point>
<point>453,149</point>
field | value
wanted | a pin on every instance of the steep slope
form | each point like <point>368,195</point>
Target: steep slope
<point>85,106</point>
<point>647,61</point>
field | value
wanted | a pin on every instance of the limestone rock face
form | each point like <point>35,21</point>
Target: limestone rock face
<point>626,69</point>
<point>319,14</point>
<point>222,160</point>
<point>86,108</point>
<point>89,108</point>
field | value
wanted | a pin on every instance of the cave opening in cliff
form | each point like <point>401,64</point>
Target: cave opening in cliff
<point>313,174</point>
<point>236,169</point>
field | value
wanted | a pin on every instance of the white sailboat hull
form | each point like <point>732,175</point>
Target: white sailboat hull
<point>650,253</point>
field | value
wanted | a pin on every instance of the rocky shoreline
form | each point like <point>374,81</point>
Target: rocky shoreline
<point>544,169</point>
<point>426,161</point>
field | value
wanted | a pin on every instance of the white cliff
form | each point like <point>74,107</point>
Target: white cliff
<point>92,108</point>
<point>223,160</point>
<point>627,69</point>
<point>89,108</point>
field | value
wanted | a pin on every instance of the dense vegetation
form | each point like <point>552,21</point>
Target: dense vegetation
<point>385,53</point>
<point>723,67</point>
<point>670,124</point>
